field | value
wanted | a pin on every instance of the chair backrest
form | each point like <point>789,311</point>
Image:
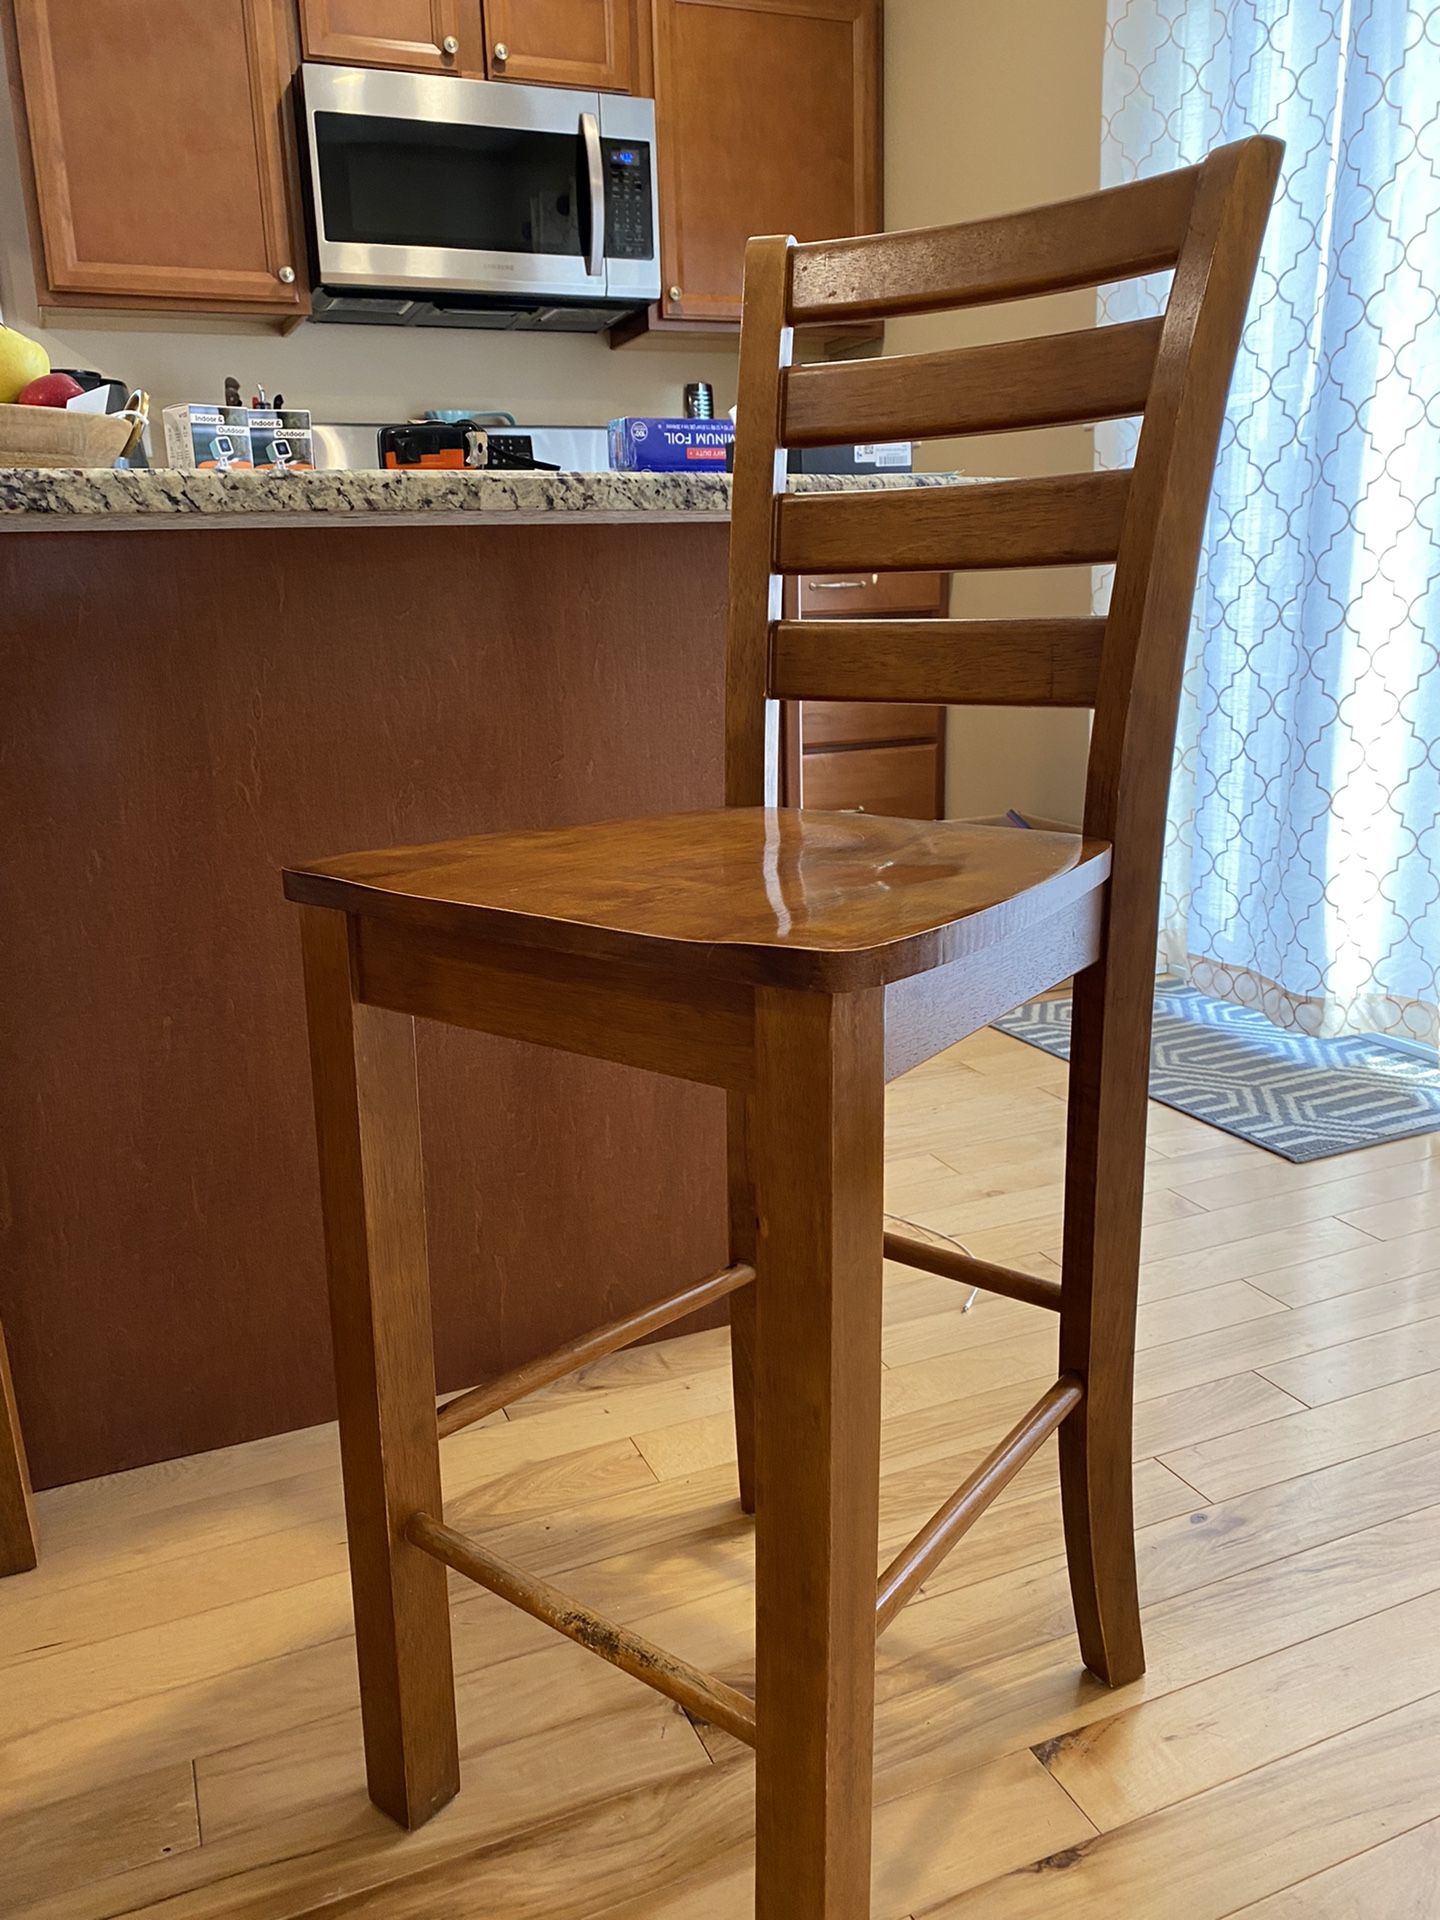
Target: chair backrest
<point>1205,222</point>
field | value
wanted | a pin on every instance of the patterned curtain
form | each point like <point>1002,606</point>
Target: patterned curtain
<point>1303,865</point>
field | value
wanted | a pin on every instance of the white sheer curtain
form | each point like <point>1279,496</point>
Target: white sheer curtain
<point>1303,864</point>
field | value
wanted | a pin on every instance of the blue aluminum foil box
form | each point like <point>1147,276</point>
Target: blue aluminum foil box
<point>670,446</point>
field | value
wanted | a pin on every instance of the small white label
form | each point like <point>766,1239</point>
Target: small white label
<point>891,453</point>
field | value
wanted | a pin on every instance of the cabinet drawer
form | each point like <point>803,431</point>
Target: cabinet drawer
<point>895,780</point>
<point>854,723</point>
<point>825,596</point>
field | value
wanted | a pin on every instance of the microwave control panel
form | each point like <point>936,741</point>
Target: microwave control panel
<point>629,204</point>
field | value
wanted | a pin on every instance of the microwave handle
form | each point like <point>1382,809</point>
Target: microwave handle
<point>594,160</point>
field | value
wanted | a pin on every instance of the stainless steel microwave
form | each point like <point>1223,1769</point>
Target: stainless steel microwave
<point>445,202</point>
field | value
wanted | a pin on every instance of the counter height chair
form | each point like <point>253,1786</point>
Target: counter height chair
<point>18,1548</point>
<point>799,959</point>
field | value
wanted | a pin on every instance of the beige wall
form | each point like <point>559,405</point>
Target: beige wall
<point>992,105</point>
<point>351,373</point>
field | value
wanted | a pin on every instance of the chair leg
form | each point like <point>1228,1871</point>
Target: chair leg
<point>368,1128</point>
<point>1104,1193</point>
<point>18,1541</point>
<point>818,1149</point>
<point>742,1304</point>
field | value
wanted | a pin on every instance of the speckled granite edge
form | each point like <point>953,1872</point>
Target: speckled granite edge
<point>34,497</point>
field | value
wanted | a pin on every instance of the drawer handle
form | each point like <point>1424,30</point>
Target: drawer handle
<point>843,586</point>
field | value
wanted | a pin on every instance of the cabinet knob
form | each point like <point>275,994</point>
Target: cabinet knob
<point>449,46</point>
<point>286,276</point>
<point>674,293</point>
<point>502,53</point>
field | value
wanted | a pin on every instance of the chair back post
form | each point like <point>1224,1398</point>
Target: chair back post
<point>1148,625</point>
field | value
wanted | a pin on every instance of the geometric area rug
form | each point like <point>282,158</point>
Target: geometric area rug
<point>1301,1098</point>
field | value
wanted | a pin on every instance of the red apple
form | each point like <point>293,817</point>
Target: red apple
<point>50,390</point>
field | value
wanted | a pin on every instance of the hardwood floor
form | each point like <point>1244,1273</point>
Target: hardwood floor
<point>177,1691</point>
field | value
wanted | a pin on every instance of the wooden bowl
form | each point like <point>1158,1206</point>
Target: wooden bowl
<point>56,437</point>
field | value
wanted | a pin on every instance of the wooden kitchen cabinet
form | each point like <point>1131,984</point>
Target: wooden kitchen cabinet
<point>871,756</point>
<point>421,36</point>
<point>874,596</point>
<point>563,43</point>
<point>901,781</point>
<point>553,43</point>
<point>768,122</point>
<point>868,723</point>
<point>159,152</point>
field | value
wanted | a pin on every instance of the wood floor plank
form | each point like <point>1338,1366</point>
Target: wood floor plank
<point>1359,1366</point>
<point>1243,1840</point>
<point>1160,1323</point>
<point>974,1707</point>
<point>303,1540</point>
<point>1401,1307</point>
<point>1215,1407</point>
<point>601,1742</point>
<point>930,1839</point>
<point>1006,1206</point>
<point>1218,1225</point>
<point>1398,1880</point>
<point>1265,1258</point>
<point>1355,1265</point>
<point>690,1829</point>
<point>343,1848</point>
<point>1301,1441</point>
<point>1390,1171</point>
<point>95,1540</point>
<point>57,1849</point>
<point>1206,1543</point>
<point>1162,1751</point>
<point>1391,1219</point>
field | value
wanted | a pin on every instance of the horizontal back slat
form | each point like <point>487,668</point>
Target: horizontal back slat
<point>991,663</point>
<point>1134,229</point>
<point>1062,520</point>
<point>1101,373</point>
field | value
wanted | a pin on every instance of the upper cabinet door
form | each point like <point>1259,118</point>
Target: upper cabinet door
<point>769,122</point>
<point>424,36</point>
<point>189,203</point>
<point>563,43</point>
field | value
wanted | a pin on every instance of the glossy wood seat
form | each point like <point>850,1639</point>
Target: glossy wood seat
<point>796,960</point>
<point>801,899</point>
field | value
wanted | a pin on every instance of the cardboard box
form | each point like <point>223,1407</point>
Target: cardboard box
<point>228,439</point>
<point>215,439</point>
<point>281,442</point>
<point>670,446</point>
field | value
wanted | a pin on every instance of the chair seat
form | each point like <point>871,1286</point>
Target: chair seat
<point>787,897</point>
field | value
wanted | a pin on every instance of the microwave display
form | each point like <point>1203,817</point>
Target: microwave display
<point>406,183</point>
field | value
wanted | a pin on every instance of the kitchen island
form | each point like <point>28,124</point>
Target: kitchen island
<point>204,678</point>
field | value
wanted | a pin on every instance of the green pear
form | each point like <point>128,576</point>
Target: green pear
<point>21,361</point>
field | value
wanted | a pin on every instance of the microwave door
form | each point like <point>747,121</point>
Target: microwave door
<point>433,184</point>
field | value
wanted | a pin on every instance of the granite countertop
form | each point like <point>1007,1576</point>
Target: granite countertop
<point>35,499</point>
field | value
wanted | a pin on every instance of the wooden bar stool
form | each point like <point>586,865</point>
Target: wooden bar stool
<point>799,959</point>
<point>18,1545</point>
